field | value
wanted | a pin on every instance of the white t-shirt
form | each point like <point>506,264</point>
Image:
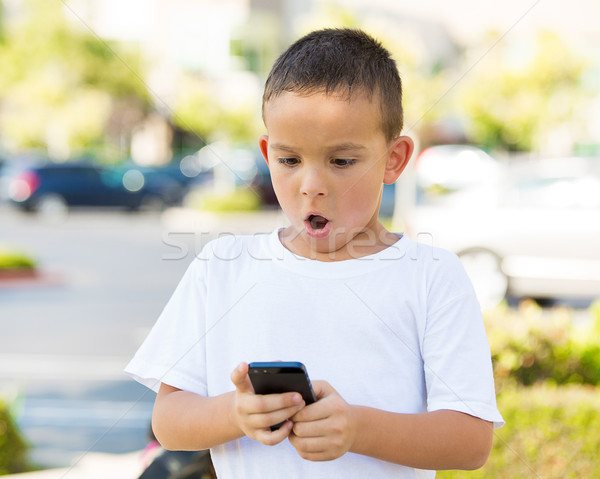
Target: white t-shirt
<point>399,330</point>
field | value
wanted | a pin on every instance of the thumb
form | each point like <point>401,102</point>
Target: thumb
<point>322,389</point>
<point>241,380</point>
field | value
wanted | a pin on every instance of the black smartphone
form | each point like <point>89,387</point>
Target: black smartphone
<point>281,377</point>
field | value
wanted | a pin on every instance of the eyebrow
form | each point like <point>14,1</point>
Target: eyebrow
<point>337,148</point>
<point>281,146</point>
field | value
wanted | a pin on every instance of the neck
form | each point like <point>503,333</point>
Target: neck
<point>364,243</point>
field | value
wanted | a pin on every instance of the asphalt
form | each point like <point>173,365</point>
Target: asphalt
<point>94,466</point>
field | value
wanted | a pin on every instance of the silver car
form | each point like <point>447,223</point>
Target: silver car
<point>534,232</point>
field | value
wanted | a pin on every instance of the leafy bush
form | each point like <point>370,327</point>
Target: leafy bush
<point>531,345</point>
<point>11,260</point>
<point>13,449</point>
<point>241,199</point>
<point>551,432</point>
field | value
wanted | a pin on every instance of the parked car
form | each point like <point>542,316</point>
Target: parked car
<point>455,167</point>
<point>82,184</point>
<point>534,233</point>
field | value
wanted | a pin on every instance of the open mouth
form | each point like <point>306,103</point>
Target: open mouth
<point>317,222</point>
<point>317,226</point>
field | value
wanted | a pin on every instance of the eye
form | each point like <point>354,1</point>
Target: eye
<point>342,162</point>
<point>289,161</point>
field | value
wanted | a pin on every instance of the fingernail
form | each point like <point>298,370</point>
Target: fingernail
<point>297,399</point>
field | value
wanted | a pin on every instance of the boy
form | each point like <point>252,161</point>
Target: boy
<point>392,328</point>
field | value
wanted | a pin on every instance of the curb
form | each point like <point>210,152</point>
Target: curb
<point>10,279</point>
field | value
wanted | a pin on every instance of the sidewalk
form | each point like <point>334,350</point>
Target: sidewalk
<point>93,466</point>
<point>249,222</point>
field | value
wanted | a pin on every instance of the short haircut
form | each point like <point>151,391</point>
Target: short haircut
<point>340,61</point>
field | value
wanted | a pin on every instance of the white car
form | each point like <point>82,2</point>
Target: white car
<point>533,233</point>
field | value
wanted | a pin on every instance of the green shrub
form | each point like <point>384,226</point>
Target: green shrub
<point>241,199</point>
<point>530,345</point>
<point>12,260</point>
<point>13,449</point>
<point>550,432</point>
<point>595,312</point>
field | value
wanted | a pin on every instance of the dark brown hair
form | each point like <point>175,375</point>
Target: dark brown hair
<point>340,61</point>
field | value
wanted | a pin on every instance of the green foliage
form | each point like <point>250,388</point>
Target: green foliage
<point>59,81</point>
<point>595,312</point>
<point>241,199</point>
<point>530,345</point>
<point>13,449</point>
<point>11,259</point>
<point>550,432</point>
<point>547,373</point>
<point>198,111</point>
<point>516,96</point>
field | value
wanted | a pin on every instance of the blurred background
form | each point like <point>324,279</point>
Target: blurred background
<point>128,139</point>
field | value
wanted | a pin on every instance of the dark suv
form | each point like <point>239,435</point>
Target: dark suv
<point>87,185</point>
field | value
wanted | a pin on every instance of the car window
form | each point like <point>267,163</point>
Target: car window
<point>112,177</point>
<point>86,174</point>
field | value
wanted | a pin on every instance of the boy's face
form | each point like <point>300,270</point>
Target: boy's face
<point>329,159</point>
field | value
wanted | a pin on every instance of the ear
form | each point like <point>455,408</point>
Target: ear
<point>263,144</point>
<point>401,149</point>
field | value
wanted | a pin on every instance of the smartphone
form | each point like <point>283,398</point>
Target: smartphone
<point>281,377</point>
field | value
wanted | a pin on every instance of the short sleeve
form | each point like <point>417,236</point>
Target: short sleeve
<point>174,352</point>
<point>456,353</point>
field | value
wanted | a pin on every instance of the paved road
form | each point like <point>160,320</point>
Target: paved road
<point>65,339</point>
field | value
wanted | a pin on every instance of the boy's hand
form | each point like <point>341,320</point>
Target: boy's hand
<point>254,414</point>
<point>326,429</point>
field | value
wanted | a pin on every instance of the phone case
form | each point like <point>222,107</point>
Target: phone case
<point>281,377</point>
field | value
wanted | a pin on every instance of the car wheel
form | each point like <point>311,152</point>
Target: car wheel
<point>52,207</point>
<point>484,267</point>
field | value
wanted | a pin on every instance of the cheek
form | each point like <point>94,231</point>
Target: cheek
<point>364,191</point>
<point>362,201</point>
<point>282,186</point>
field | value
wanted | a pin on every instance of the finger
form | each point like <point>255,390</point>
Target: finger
<point>269,403</point>
<point>313,412</point>
<point>318,456</point>
<point>308,429</point>
<point>270,438</point>
<point>263,411</point>
<point>321,389</point>
<point>241,380</point>
<point>270,418</point>
<point>310,445</point>
<point>315,449</point>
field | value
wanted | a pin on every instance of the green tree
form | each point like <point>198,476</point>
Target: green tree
<point>61,85</point>
<point>198,111</point>
<point>520,93</point>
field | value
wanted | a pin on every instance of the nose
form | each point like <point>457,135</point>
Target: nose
<point>313,183</point>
